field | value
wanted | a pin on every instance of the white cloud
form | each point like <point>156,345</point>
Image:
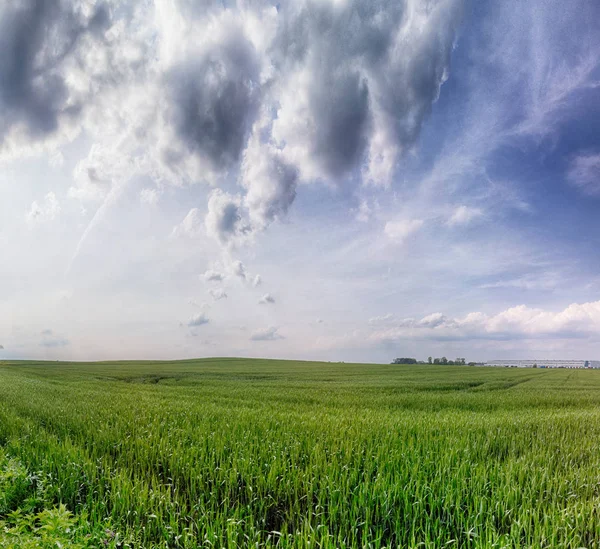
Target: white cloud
<point>584,173</point>
<point>238,269</point>
<point>150,196</point>
<point>266,299</point>
<point>224,218</point>
<point>198,320</point>
<point>190,227</point>
<point>463,215</point>
<point>218,294</point>
<point>98,172</point>
<point>52,340</point>
<point>212,276</point>
<point>269,334</point>
<point>386,319</point>
<point>56,159</point>
<point>400,230</point>
<point>433,320</point>
<point>269,180</point>
<point>364,211</point>
<point>520,322</point>
<point>48,210</point>
<point>201,305</point>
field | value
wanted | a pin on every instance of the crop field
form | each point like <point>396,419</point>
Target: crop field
<point>259,453</point>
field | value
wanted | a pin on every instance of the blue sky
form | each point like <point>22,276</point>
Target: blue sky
<point>319,179</point>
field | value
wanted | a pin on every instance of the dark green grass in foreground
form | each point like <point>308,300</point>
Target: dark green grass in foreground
<point>236,453</point>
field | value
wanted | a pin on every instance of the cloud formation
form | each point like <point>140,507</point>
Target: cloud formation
<point>191,226</point>
<point>463,215</point>
<point>47,210</point>
<point>150,196</point>
<point>238,269</point>
<point>218,294</point>
<point>359,79</point>
<point>213,91</point>
<point>217,120</point>
<point>268,334</point>
<point>269,96</point>
<point>584,173</point>
<point>212,276</point>
<point>51,341</point>
<point>44,44</point>
<point>224,218</point>
<point>521,322</point>
<point>198,320</point>
<point>266,299</point>
<point>399,231</point>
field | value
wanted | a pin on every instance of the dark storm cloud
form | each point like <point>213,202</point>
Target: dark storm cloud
<point>341,105</point>
<point>213,98</point>
<point>330,43</point>
<point>371,67</point>
<point>36,38</point>
<point>328,88</point>
<point>409,81</point>
<point>279,96</point>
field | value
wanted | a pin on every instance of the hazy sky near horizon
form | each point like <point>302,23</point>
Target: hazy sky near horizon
<point>319,179</point>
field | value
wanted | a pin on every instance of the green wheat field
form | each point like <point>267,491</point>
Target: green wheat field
<point>259,453</point>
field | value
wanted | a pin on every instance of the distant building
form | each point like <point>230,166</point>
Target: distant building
<point>545,363</point>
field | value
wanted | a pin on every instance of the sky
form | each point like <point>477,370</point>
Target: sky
<point>344,180</point>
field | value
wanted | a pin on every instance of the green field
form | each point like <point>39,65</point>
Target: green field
<point>240,453</point>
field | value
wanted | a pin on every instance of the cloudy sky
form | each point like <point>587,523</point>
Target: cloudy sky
<point>324,179</point>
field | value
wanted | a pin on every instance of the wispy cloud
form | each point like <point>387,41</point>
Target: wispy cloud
<point>584,173</point>
<point>463,215</point>
<point>268,334</point>
<point>47,210</point>
<point>52,340</point>
<point>399,231</point>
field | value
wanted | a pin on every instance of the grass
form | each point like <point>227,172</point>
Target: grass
<point>240,453</point>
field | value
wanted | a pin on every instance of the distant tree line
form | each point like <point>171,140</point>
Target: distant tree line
<point>444,361</point>
<point>430,360</point>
